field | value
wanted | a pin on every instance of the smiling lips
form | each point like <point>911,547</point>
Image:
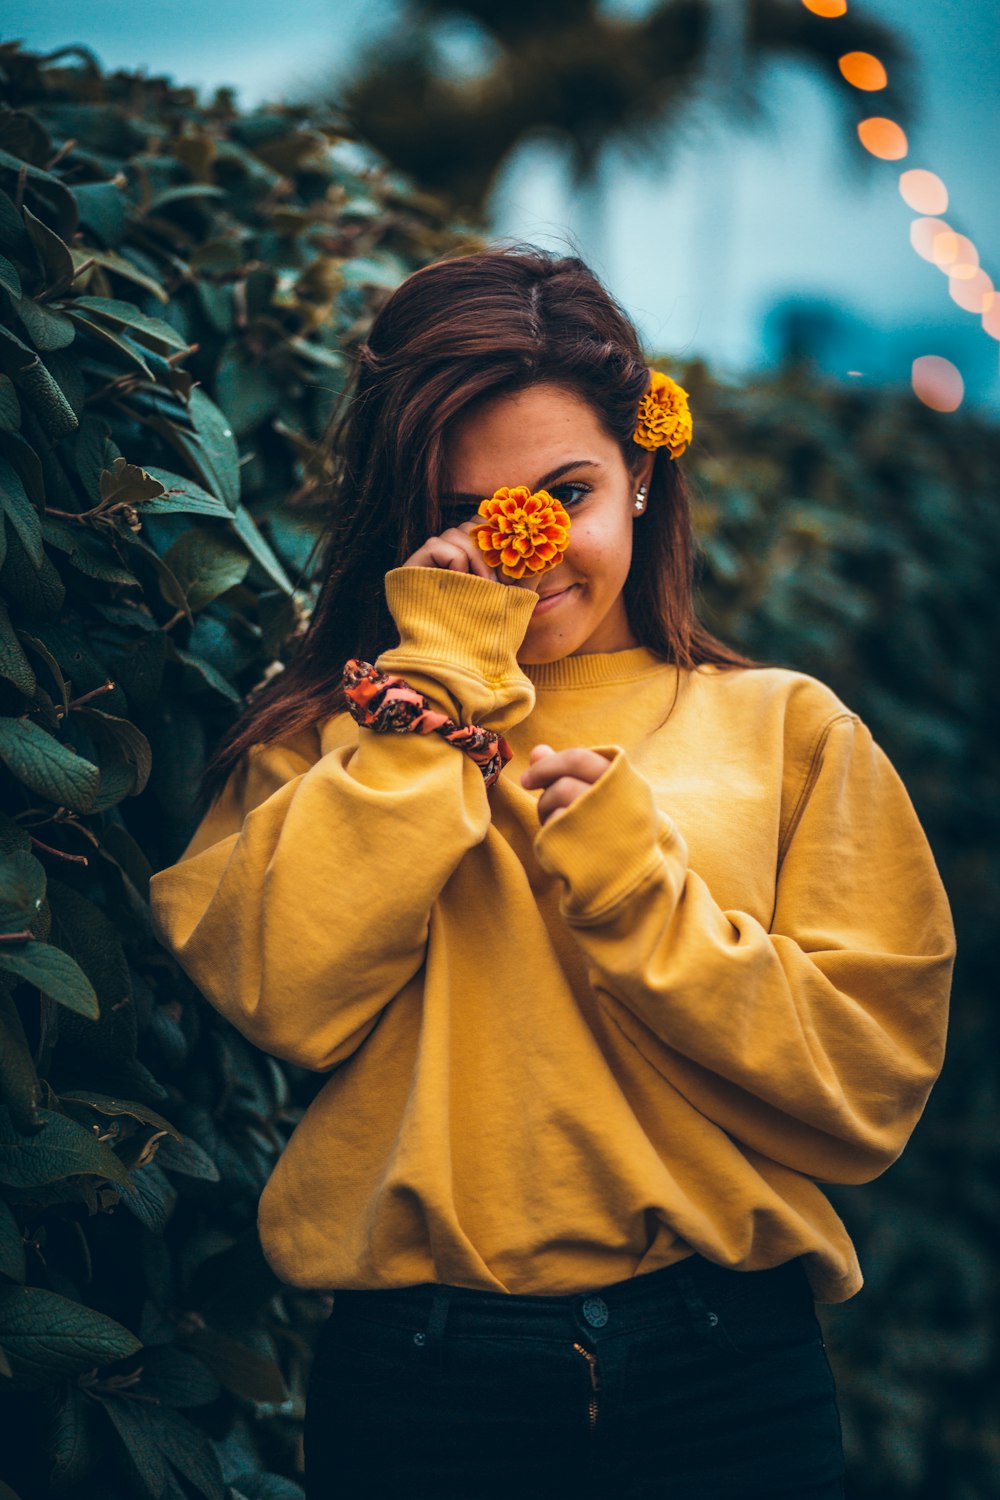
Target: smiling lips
<point>552,595</point>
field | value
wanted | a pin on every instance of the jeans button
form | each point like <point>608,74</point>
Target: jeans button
<point>595,1310</point>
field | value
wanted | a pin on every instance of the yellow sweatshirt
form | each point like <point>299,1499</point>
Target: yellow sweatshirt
<point>563,1056</point>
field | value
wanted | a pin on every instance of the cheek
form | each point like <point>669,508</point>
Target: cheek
<point>602,548</point>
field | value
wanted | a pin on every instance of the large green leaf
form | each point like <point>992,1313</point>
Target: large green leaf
<point>217,445</point>
<point>109,1105</point>
<point>9,277</point>
<point>47,328</point>
<point>22,889</point>
<point>91,553</point>
<point>246,529</point>
<point>120,741</point>
<point>62,1148</point>
<point>141,1438</point>
<point>39,389</point>
<point>54,972</point>
<point>23,515</point>
<point>109,334</point>
<point>48,1337</point>
<point>179,494</point>
<point>150,1196</point>
<point>81,928</point>
<point>152,331</point>
<point>20,1088</point>
<point>10,407</point>
<point>70,1438</point>
<point>11,1245</point>
<point>47,765</point>
<point>14,665</point>
<point>53,252</point>
<point>205,562</point>
<point>39,592</point>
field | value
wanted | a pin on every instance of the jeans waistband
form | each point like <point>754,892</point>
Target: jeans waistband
<point>689,1288</point>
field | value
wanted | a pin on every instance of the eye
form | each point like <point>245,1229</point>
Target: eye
<point>570,494</point>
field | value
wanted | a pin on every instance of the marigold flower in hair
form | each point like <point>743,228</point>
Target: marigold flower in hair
<point>523,532</point>
<point>664,416</point>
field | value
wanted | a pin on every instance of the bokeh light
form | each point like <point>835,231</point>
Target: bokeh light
<point>826,8</point>
<point>956,254</point>
<point>925,232</point>
<point>883,138</point>
<point>922,191</point>
<point>975,293</point>
<point>937,382</point>
<point>863,70</point>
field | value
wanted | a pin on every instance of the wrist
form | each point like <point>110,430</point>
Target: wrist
<point>470,623</point>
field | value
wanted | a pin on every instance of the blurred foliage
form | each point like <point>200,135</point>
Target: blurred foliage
<point>162,263</point>
<point>855,534</point>
<point>159,262</point>
<point>575,73</point>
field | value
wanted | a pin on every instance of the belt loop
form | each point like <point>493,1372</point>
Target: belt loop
<point>436,1320</point>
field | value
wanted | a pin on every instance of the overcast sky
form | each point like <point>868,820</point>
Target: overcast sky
<point>702,256</point>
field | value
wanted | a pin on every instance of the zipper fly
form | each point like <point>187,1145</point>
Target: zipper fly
<point>595,1381</point>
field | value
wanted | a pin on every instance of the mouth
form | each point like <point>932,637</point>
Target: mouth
<point>550,599</point>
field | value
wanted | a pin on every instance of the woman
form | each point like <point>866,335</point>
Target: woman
<point>598,1019</point>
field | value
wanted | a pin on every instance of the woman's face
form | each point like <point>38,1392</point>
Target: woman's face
<point>547,437</point>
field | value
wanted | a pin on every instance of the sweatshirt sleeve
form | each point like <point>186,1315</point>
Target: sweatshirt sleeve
<point>815,1041</point>
<point>301,905</point>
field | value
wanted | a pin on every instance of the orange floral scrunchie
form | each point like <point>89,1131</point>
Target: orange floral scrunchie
<point>388,705</point>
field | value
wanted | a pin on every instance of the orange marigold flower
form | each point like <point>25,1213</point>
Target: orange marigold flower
<point>522,532</point>
<point>664,416</point>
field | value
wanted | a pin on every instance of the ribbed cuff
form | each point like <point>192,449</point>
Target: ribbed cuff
<point>608,842</point>
<point>471,623</point>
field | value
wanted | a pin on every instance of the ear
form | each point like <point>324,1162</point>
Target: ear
<point>643,472</point>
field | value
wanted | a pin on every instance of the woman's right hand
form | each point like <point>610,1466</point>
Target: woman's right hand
<point>457,550</point>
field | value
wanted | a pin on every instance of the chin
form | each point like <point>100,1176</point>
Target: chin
<point>532,656</point>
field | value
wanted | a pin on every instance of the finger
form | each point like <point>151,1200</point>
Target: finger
<point>538,751</point>
<point>585,765</point>
<point>560,795</point>
<point>446,554</point>
<point>462,536</point>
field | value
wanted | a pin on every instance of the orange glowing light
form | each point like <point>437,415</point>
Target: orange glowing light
<point>883,138</point>
<point>937,383</point>
<point>863,70</point>
<point>827,8</point>
<point>923,191</point>
<point>924,234</point>
<point>991,317</point>
<point>975,293</point>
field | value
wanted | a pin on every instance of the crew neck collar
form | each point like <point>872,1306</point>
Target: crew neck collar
<point>594,669</point>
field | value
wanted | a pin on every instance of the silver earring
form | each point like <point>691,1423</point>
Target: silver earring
<point>640,499</point>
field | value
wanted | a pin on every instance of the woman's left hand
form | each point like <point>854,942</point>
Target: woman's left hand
<point>564,774</point>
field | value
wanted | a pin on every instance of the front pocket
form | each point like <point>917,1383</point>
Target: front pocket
<point>752,1336</point>
<point>355,1353</point>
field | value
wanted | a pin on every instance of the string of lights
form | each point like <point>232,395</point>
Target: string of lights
<point>936,381</point>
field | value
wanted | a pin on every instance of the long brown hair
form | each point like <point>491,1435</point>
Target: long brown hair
<point>455,331</point>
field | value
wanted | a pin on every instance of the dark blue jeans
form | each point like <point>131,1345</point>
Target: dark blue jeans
<point>688,1383</point>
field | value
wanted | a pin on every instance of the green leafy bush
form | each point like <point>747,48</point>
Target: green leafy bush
<point>161,263</point>
<point>181,290</point>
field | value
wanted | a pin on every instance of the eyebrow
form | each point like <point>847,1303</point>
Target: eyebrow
<point>574,463</point>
